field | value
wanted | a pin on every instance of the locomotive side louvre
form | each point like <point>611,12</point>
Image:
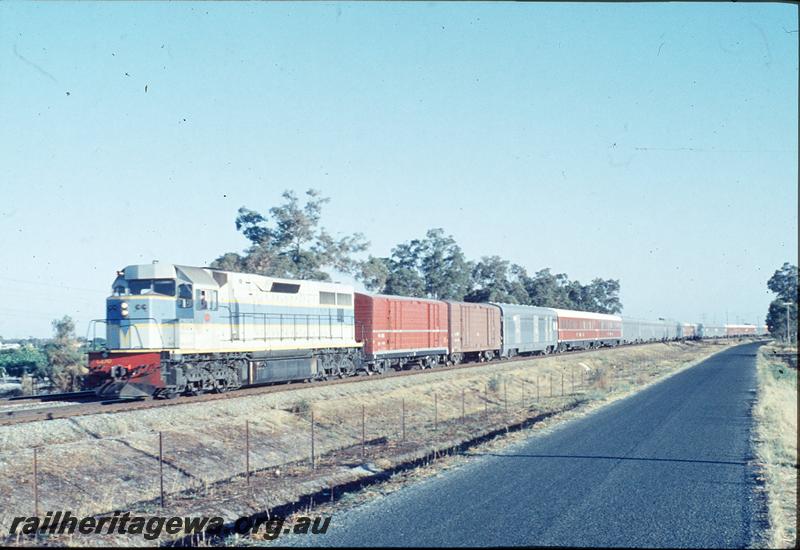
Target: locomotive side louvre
<point>527,329</point>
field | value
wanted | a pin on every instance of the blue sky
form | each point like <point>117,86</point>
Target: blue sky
<point>653,143</point>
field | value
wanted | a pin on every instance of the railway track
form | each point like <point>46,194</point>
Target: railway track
<point>39,408</point>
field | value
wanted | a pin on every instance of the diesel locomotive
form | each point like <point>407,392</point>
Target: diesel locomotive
<point>174,329</point>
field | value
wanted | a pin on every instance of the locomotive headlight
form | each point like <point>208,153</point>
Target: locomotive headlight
<point>124,307</point>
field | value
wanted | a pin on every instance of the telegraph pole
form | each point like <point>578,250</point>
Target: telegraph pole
<point>788,334</point>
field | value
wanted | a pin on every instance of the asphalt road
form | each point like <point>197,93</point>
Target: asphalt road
<point>666,467</point>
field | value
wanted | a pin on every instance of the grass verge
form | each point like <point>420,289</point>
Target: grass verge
<point>775,415</point>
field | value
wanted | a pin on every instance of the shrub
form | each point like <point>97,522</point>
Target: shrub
<point>494,383</point>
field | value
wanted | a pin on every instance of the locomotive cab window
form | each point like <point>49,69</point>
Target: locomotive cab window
<point>185,296</point>
<point>164,287</point>
<point>327,298</point>
<point>344,299</point>
<point>206,299</point>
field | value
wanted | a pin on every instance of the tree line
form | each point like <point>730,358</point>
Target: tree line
<point>291,242</point>
<point>60,360</point>
<point>784,284</point>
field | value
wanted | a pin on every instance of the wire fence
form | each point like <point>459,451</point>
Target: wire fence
<point>309,436</point>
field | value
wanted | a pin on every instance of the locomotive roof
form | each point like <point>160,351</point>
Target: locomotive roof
<point>205,275</point>
<point>158,270</point>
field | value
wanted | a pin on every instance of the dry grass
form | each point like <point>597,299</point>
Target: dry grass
<point>776,446</point>
<point>99,463</point>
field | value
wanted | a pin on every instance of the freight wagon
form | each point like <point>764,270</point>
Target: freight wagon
<point>687,331</point>
<point>474,331</point>
<point>398,332</point>
<point>527,330</point>
<point>740,330</point>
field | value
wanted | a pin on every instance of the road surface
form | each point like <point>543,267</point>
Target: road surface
<point>667,466</point>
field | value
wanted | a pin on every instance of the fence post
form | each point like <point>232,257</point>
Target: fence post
<point>523,393</point>
<point>463,416</point>
<point>435,412</point>
<point>505,395</point>
<point>551,385</point>
<point>161,465</point>
<point>572,379</point>
<point>363,432</point>
<point>485,400</point>
<point>247,449</point>
<point>313,458</point>
<point>562,382</point>
<point>403,420</point>
<point>35,483</point>
<point>538,379</point>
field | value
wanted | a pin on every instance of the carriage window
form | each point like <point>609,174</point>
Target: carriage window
<point>344,299</point>
<point>327,298</point>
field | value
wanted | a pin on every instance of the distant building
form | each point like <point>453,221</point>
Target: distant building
<point>9,345</point>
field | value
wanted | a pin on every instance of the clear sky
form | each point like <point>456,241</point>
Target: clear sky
<point>653,143</point>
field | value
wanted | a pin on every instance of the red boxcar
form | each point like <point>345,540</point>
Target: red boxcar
<point>474,331</point>
<point>398,331</point>
<point>582,329</point>
<point>740,330</point>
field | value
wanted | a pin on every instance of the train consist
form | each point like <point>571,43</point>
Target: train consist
<point>172,330</point>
